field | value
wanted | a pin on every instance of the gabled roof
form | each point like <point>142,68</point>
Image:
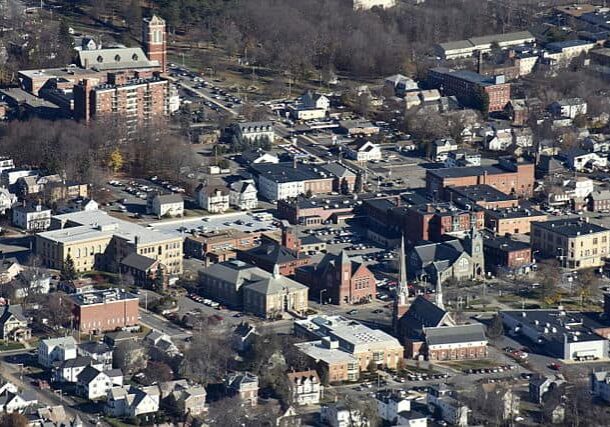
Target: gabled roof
<point>455,334</point>
<point>272,252</point>
<point>275,285</point>
<point>94,347</point>
<point>12,310</point>
<point>88,374</point>
<point>115,58</point>
<point>422,314</point>
<point>138,262</point>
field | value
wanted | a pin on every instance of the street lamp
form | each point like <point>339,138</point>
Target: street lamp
<point>321,292</point>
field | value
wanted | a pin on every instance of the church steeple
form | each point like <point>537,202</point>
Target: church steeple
<point>401,301</point>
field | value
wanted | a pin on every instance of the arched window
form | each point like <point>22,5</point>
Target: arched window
<point>134,57</point>
<point>117,58</point>
<point>100,58</point>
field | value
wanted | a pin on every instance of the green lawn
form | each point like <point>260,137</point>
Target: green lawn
<point>470,364</point>
<point>8,346</point>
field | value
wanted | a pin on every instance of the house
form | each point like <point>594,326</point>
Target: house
<point>600,385</point>
<point>213,199</point>
<point>315,100</point>
<point>143,269</point>
<point>31,217</point>
<point>131,401</point>
<point>13,324</point>
<point>596,144</point>
<point>243,335</point>
<point>599,201</point>
<point>94,384</point>
<point>10,268</point>
<point>569,107</point>
<point>243,195</point>
<point>7,200</point>
<point>11,400</point>
<point>187,398</point>
<point>244,385</point>
<point>400,84</point>
<point>56,350</point>
<point>97,351</point>
<point>359,127</point>
<point>165,205</point>
<point>540,385</point>
<point>459,158</point>
<point>68,371</point>
<point>501,137</point>
<point>449,408</point>
<point>310,106</point>
<point>339,415</point>
<point>29,185</point>
<point>258,155</point>
<point>162,343</point>
<point>390,404</point>
<point>508,400</point>
<point>441,148</point>
<point>254,131</point>
<point>578,159</point>
<point>305,387</point>
<point>363,150</point>
<point>369,4</point>
<point>342,279</point>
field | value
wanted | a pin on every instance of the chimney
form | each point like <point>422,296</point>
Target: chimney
<point>480,62</point>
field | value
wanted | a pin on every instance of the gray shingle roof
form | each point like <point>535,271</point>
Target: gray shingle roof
<point>138,262</point>
<point>455,334</point>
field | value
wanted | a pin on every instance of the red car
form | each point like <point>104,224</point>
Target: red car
<point>555,366</point>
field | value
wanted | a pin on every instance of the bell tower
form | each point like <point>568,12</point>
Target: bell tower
<point>154,39</point>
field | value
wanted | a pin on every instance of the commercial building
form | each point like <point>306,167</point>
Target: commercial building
<point>515,220</point>
<point>561,334</point>
<point>347,345</point>
<point>105,310</point>
<point>218,246</point>
<point>283,180</point>
<point>139,99</point>
<point>472,89</point>
<point>483,195</point>
<point>305,387</point>
<point>56,350</point>
<point>317,211</point>
<point>483,44</point>
<point>254,131</point>
<point>96,240</point>
<point>504,255</point>
<point>576,243</point>
<point>363,150</point>
<point>509,176</point>
<point>31,217</point>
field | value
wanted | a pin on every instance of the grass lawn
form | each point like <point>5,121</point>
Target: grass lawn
<point>114,422</point>
<point>8,346</point>
<point>470,364</point>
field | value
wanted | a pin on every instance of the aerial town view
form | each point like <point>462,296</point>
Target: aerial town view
<point>344,213</point>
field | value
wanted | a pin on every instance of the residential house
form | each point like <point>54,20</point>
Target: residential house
<point>501,138</point>
<point>94,384</point>
<point>131,401</point>
<point>165,205</point>
<point>56,350</point>
<point>596,144</point>
<point>162,343</point>
<point>342,279</point>
<point>68,371</point>
<point>339,415</point>
<point>599,201</point>
<point>6,164</point>
<point>10,268</point>
<point>143,269</point>
<point>540,385</point>
<point>243,195</point>
<point>460,158</point>
<point>14,325</point>
<point>29,185</point>
<point>363,150</point>
<point>508,400</point>
<point>579,160</point>
<point>7,200</point>
<point>254,131</point>
<point>244,385</point>
<point>569,107</point>
<point>310,106</point>
<point>258,155</point>
<point>97,351</point>
<point>185,397</point>
<point>12,400</point>
<point>451,410</point>
<point>600,385</point>
<point>243,335</point>
<point>400,84</point>
<point>31,217</point>
<point>305,387</point>
<point>213,199</point>
<point>441,148</point>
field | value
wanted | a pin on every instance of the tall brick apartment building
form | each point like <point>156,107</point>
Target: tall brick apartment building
<point>106,310</point>
<point>509,176</point>
<point>467,86</point>
<point>139,97</point>
<point>154,37</point>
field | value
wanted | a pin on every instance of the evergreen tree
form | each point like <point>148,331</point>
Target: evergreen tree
<point>68,271</point>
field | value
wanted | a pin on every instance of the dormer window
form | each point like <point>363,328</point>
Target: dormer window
<point>100,59</point>
<point>134,57</point>
<point>117,58</point>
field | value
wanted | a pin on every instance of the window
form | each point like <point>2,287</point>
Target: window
<point>134,57</point>
<point>117,58</point>
<point>100,59</point>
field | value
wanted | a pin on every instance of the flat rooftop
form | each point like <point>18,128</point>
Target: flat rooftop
<point>573,227</point>
<point>102,297</point>
<point>68,73</point>
<point>482,193</point>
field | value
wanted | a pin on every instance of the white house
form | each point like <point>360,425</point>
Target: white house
<point>462,158</point>
<point>31,217</point>
<point>310,106</point>
<point>213,199</point>
<point>569,107</point>
<point>254,131</point>
<point>578,159</point>
<point>6,163</point>
<point>441,147</point>
<point>390,404</point>
<point>258,155</point>
<point>9,269</point>
<point>369,4</point>
<point>13,401</point>
<point>130,401</point>
<point>163,205</point>
<point>243,194</point>
<point>56,350</point>
<point>450,409</point>
<point>97,351</point>
<point>363,150</point>
<point>305,386</point>
<point>68,371</point>
<point>7,200</point>
<point>94,384</point>
<point>339,415</point>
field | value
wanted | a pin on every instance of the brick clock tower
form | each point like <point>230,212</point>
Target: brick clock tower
<point>154,38</point>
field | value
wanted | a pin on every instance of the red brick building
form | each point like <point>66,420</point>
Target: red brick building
<point>469,87</point>
<point>154,37</point>
<point>503,254</point>
<point>107,310</point>
<point>141,97</point>
<point>484,195</point>
<point>508,176</point>
<point>339,279</point>
<point>316,210</point>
